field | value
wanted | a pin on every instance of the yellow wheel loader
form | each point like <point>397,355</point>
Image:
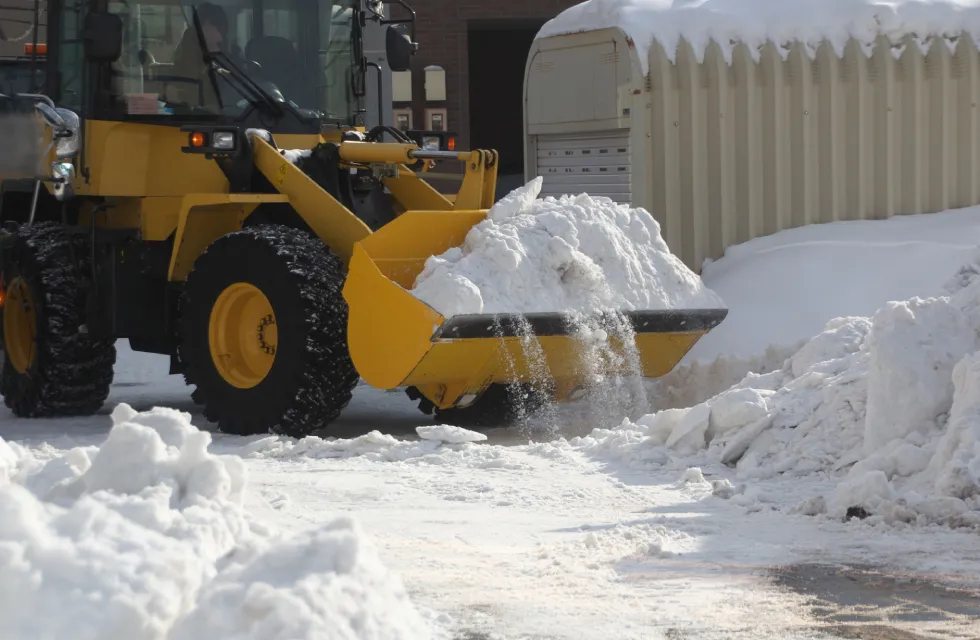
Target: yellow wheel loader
<point>207,190</point>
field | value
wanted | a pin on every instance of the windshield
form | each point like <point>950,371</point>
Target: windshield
<point>298,51</point>
<point>15,76</point>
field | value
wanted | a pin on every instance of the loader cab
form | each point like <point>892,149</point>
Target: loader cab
<point>289,66</point>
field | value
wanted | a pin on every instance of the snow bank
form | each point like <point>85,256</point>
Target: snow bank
<point>578,253</point>
<point>323,583</point>
<point>783,288</point>
<point>146,537</point>
<point>904,395</point>
<point>755,22</point>
<point>889,405</point>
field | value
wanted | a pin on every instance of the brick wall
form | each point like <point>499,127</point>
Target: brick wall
<point>441,31</point>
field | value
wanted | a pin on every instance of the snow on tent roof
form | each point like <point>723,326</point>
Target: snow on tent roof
<point>754,22</point>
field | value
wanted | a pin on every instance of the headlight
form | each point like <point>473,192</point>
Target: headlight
<point>430,143</point>
<point>64,172</point>
<point>223,140</point>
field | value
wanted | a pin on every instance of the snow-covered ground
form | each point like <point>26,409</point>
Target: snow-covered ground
<point>634,530</point>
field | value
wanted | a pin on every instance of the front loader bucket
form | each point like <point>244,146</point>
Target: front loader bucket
<point>397,340</point>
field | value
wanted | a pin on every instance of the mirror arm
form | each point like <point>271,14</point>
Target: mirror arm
<point>408,21</point>
<point>52,116</point>
<point>37,96</point>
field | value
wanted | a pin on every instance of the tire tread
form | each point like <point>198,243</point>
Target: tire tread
<point>323,386</point>
<point>73,372</point>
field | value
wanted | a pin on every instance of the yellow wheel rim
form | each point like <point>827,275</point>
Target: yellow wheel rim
<point>243,335</point>
<point>20,325</point>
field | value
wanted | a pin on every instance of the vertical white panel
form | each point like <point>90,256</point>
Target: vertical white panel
<point>748,146</point>
<point>830,137</point>
<point>664,129</point>
<point>913,127</point>
<point>803,157</point>
<point>775,139</point>
<point>965,70</point>
<point>854,73</point>
<point>884,144</point>
<point>938,83</point>
<point>720,223</point>
<point>693,161</point>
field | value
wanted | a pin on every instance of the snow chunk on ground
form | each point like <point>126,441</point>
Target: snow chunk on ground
<point>735,409</point>
<point>723,488</point>
<point>578,253</point>
<point>126,539</point>
<point>327,582</point>
<point>694,475</point>
<point>378,447</point>
<point>755,22</point>
<point>449,433</point>
<point>688,435</point>
<point>867,491</point>
<point>913,346</point>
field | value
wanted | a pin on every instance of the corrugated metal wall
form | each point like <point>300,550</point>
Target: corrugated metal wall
<point>752,147</point>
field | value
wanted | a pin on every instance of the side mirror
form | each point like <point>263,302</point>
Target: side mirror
<point>399,50</point>
<point>67,138</point>
<point>102,36</point>
<point>65,124</point>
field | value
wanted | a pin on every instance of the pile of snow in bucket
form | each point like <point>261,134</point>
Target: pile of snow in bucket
<point>756,22</point>
<point>145,537</point>
<point>888,405</point>
<point>574,253</point>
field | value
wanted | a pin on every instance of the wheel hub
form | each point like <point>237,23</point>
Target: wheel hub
<point>243,335</point>
<point>20,325</point>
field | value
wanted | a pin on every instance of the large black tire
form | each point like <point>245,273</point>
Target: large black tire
<point>70,373</point>
<point>312,377</point>
<point>499,406</point>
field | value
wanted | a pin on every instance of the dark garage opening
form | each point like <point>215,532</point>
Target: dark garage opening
<point>498,51</point>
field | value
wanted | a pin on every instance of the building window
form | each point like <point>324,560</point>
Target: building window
<point>436,119</point>
<point>403,119</point>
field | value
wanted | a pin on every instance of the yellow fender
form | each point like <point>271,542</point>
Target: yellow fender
<point>205,217</point>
